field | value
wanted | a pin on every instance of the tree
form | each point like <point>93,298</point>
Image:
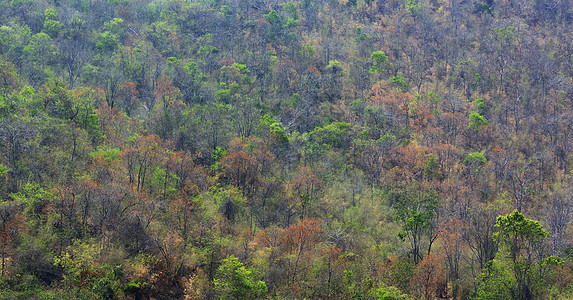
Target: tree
<point>559,215</point>
<point>245,162</point>
<point>184,209</point>
<point>52,24</point>
<point>415,208</point>
<point>379,60</point>
<point>428,277</point>
<point>521,267</point>
<point>371,158</point>
<point>298,239</point>
<point>520,178</point>
<point>74,55</point>
<point>453,249</point>
<point>16,137</point>
<point>112,78</point>
<point>235,281</point>
<point>188,78</point>
<point>332,81</point>
<point>128,96</point>
<point>478,235</point>
<point>11,223</point>
<point>8,78</point>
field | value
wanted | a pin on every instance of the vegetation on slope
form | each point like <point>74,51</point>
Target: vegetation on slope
<point>233,149</point>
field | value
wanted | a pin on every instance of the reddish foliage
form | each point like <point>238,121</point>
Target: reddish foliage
<point>392,101</point>
<point>306,181</point>
<point>270,237</point>
<point>301,236</point>
<point>312,70</point>
<point>428,281</point>
<point>165,92</point>
<point>246,161</point>
<point>11,224</point>
<point>227,61</point>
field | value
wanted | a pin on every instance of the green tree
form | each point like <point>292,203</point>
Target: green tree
<point>235,281</point>
<point>477,120</point>
<point>400,82</point>
<point>520,269</point>
<point>379,60</point>
<point>415,209</point>
<point>52,26</point>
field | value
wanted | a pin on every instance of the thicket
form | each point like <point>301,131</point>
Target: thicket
<point>221,149</point>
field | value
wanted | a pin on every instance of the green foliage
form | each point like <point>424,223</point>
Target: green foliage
<point>434,99</point>
<point>379,59</point>
<point>292,10</point>
<point>76,27</point>
<point>273,17</point>
<point>9,79</point>
<point>164,183</point>
<point>494,281</point>
<point>477,120</point>
<point>332,135</point>
<point>267,105</point>
<point>360,36</point>
<point>107,42</point>
<point>192,71</point>
<point>293,101</point>
<point>219,153</point>
<point>481,106</point>
<point>432,167</point>
<point>227,92</point>
<point>415,208</point>
<point>136,288</point>
<point>107,154</point>
<point>235,281</point>
<point>242,68</point>
<point>520,269</point>
<point>87,279</point>
<point>225,11</point>
<point>114,26</point>
<point>205,47</point>
<point>91,124</point>
<point>4,169</point>
<point>307,50</point>
<point>334,66</point>
<point>475,158</point>
<point>275,31</point>
<point>36,200</point>
<point>52,26</point>
<point>227,202</point>
<point>275,128</point>
<point>515,226</point>
<point>414,7</point>
<point>505,33</point>
<point>400,82</point>
<point>390,293</point>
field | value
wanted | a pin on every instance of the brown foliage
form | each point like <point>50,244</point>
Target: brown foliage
<point>428,282</point>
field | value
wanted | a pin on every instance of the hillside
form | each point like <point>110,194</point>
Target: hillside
<point>234,149</point>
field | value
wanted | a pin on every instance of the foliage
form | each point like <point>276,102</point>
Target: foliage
<point>415,210</point>
<point>477,120</point>
<point>400,82</point>
<point>234,281</point>
<point>520,269</point>
<point>332,149</point>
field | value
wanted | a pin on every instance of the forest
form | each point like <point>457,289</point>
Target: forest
<point>272,149</point>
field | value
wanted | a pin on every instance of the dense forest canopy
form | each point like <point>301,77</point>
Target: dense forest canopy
<point>326,149</point>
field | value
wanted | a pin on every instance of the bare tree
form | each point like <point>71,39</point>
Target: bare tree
<point>74,55</point>
<point>558,215</point>
<point>15,136</point>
